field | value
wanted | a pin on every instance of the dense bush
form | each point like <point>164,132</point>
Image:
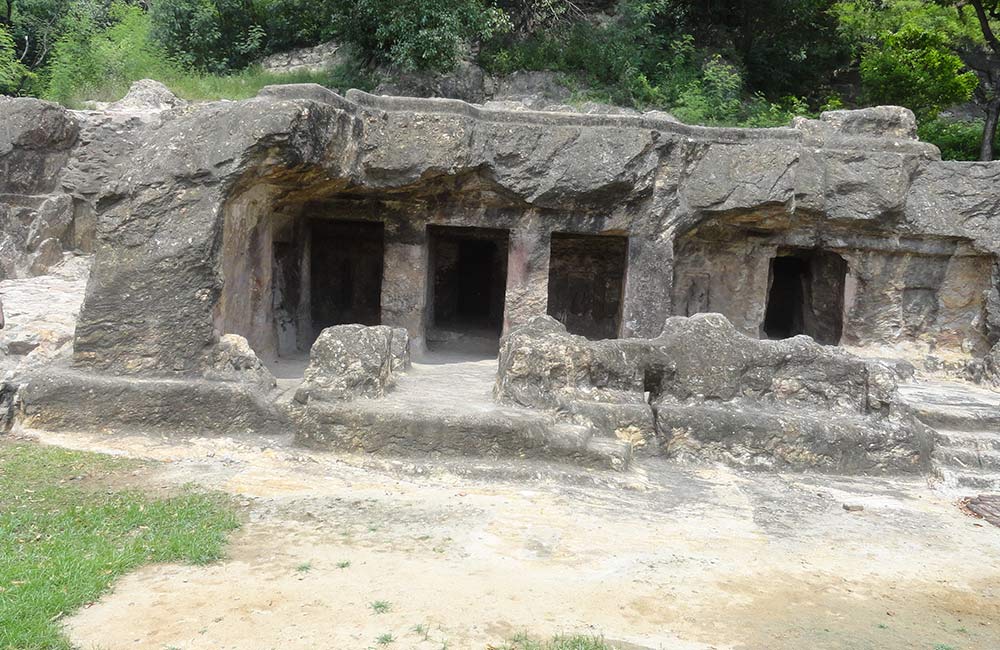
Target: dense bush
<point>916,67</point>
<point>640,59</point>
<point>11,71</point>
<point>90,62</point>
<point>416,34</point>
<point>958,140</point>
<point>295,23</point>
<point>209,35</point>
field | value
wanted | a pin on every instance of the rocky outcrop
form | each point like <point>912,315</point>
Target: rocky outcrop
<point>789,404</point>
<point>188,205</point>
<point>36,217</point>
<point>717,394</point>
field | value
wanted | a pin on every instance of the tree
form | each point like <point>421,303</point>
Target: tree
<point>210,35</point>
<point>986,62</point>
<point>786,46</point>
<point>917,68</point>
<point>968,28</point>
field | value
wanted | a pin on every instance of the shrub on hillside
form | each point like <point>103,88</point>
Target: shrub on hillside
<point>416,34</point>
<point>209,35</point>
<point>957,140</point>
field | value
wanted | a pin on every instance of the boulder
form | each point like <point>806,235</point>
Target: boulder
<point>147,95</point>
<point>235,360</point>
<point>351,361</point>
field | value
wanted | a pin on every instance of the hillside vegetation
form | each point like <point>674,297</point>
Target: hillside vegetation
<point>726,62</point>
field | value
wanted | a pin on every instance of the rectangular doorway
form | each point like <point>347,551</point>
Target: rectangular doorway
<point>346,260</point>
<point>806,296</point>
<point>468,282</point>
<point>587,283</point>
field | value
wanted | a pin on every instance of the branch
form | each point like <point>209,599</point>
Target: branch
<point>984,24</point>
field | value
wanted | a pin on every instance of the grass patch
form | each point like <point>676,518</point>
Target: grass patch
<point>559,642</point>
<point>381,606</point>
<point>194,86</point>
<point>66,534</point>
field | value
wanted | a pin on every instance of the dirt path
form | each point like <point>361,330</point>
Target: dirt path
<point>665,557</point>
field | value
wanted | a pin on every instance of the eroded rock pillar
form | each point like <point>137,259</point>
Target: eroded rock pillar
<point>648,286</point>
<point>527,274</point>
<point>404,283</point>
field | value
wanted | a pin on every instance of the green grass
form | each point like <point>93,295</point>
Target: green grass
<point>195,86</point>
<point>573,642</point>
<point>385,639</point>
<point>66,534</point>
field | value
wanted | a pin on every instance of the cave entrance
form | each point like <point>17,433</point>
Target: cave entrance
<point>587,283</point>
<point>806,296</point>
<point>467,287</point>
<point>346,259</point>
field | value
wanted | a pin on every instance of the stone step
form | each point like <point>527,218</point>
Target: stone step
<point>968,439</point>
<point>967,459</point>
<point>971,480</point>
<point>388,427</point>
<point>959,418</point>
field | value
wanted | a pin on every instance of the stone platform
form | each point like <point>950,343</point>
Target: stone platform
<point>444,405</point>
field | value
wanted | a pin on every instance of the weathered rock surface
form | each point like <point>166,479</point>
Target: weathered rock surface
<point>720,395</point>
<point>179,203</point>
<point>305,59</point>
<point>235,360</point>
<point>789,404</point>
<point>350,361</point>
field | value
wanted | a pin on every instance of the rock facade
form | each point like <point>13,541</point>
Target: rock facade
<point>203,219</point>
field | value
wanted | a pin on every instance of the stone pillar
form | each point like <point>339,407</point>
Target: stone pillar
<point>648,287</point>
<point>404,284</point>
<point>527,274</point>
<point>304,335</point>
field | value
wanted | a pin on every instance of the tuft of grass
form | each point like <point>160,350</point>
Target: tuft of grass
<point>305,567</point>
<point>574,642</point>
<point>385,639</point>
<point>381,606</point>
<point>422,630</point>
<point>343,564</point>
<point>66,533</point>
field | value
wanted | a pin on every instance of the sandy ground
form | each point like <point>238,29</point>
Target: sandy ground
<point>666,556</point>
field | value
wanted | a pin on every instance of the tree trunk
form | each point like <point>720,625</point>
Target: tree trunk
<point>990,129</point>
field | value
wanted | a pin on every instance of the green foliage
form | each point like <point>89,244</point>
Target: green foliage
<point>416,34</point>
<point>65,536</point>
<point>12,72</point>
<point>209,35</point>
<point>957,140</point>
<point>295,23</point>
<point>90,63</point>
<point>783,46</point>
<point>915,68</point>
<point>639,59</point>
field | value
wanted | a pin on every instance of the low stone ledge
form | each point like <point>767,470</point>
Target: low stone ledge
<point>703,390</point>
<point>64,399</point>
